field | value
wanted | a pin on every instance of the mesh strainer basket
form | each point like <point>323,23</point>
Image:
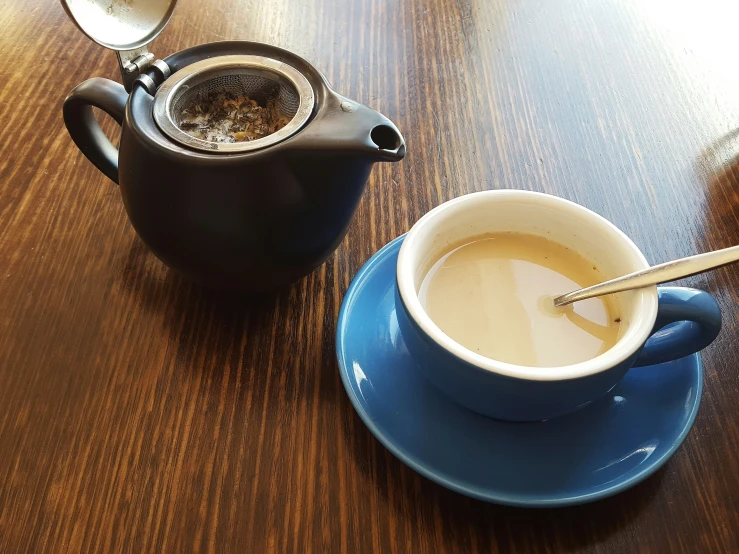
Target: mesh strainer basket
<point>257,77</point>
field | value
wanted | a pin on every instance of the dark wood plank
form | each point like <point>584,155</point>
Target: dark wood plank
<point>141,413</point>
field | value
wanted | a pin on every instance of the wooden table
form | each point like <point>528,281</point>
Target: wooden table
<point>141,413</point>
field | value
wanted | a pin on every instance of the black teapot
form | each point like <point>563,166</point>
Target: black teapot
<point>249,215</point>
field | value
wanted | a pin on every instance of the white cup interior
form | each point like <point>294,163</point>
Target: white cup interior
<point>562,221</point>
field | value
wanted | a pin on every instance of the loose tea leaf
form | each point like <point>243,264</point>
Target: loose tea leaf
<point>226,117</point>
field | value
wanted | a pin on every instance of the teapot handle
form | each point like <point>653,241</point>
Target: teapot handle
<point>84,129</point>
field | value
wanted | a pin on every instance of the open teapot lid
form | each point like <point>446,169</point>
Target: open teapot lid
<point>120,24</point>
<point>126,26</point>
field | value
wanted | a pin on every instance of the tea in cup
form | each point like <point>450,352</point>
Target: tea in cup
<point>493,295</point>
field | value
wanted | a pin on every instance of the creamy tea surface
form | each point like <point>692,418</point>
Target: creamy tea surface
<point>492,294</point>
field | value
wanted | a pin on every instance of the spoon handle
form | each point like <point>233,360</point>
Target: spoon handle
<point>662,273</point>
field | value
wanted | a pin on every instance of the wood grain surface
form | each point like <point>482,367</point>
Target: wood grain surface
<point>140,413</point>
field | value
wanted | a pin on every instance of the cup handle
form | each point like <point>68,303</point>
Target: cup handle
<point>688,320</point>
<point>84,129</point>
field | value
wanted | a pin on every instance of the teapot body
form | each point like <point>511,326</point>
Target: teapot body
<point>237,225</point>
<point>251,221</point>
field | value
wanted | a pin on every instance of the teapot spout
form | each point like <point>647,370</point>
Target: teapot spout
<point>343,126</point>
<point>387,141</point>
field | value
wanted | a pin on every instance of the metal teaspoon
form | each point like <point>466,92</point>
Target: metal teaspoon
<point>662,273</point>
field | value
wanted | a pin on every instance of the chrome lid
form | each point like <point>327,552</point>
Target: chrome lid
<point>120,24</point>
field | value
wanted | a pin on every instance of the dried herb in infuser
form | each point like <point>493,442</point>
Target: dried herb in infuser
<point>225,117</point>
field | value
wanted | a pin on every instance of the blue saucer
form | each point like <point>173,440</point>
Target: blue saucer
<point>596,452</point>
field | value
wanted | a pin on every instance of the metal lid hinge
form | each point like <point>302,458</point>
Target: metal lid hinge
<point>136,64</point>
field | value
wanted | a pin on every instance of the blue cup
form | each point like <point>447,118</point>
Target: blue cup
<point>658,324</point>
